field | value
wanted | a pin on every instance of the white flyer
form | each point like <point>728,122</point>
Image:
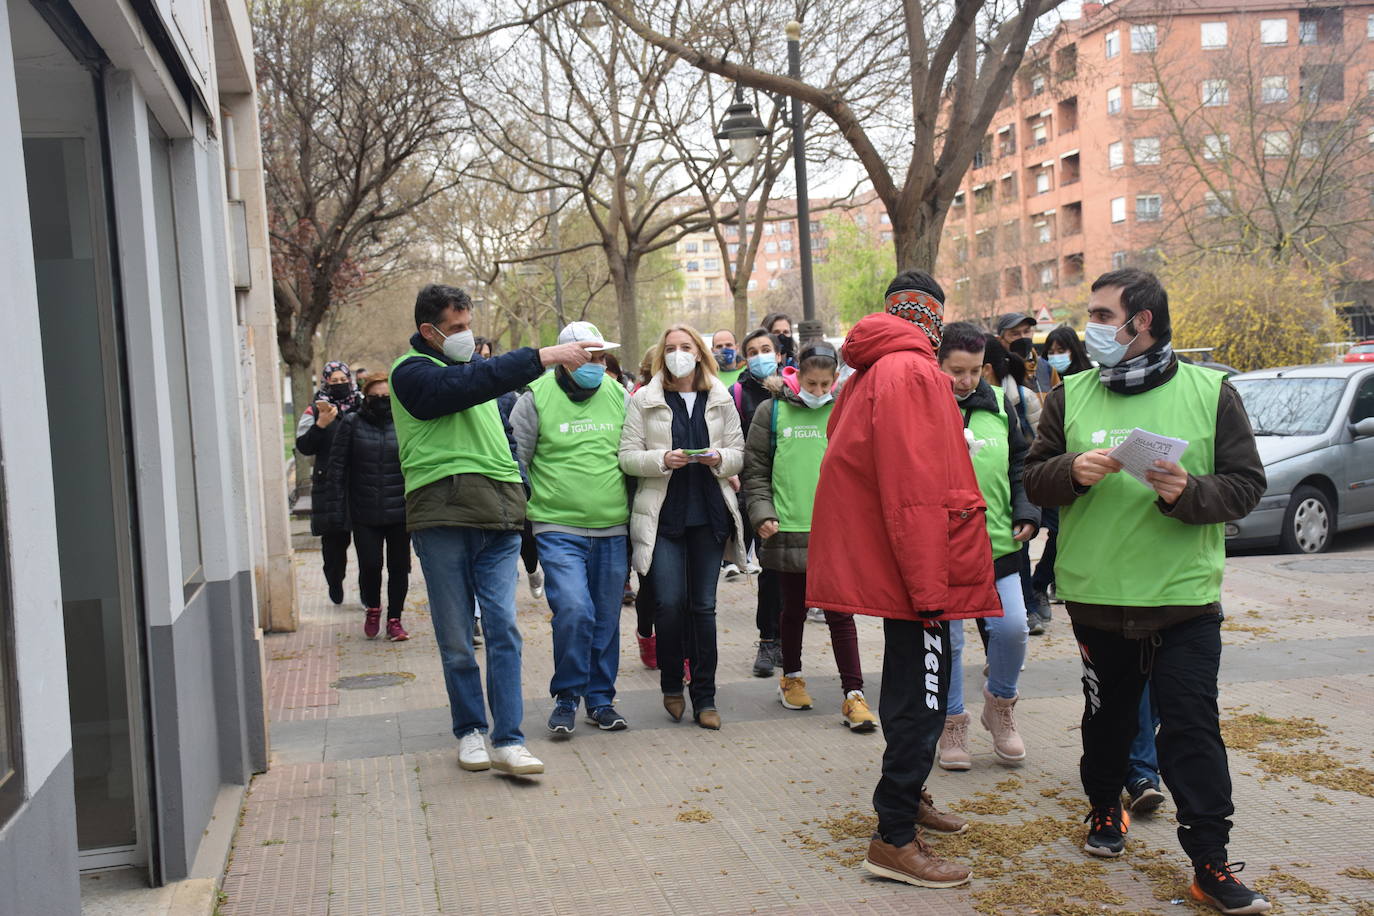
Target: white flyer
<point>1141,449</point>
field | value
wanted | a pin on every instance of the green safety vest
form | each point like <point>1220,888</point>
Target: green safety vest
<point>799,440</point>
<point>575,476</point>
<point>1115,546</point>
<point>728,377</point>
<point>471,441</point>
<point>990,465</point>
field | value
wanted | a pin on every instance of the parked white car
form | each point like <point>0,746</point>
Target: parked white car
<point>1314,426</point>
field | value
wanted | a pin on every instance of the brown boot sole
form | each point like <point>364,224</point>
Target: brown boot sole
<point>893,875</point>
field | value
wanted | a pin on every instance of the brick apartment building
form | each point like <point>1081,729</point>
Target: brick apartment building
<point>1084,169</point>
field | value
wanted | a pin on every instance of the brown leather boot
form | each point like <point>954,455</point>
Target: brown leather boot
<point>937,821</point>
<point>675,705</point>
<point>915,863</point>
<point>708,718</point>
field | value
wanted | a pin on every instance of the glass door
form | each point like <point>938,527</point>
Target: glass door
<point>87,407</point>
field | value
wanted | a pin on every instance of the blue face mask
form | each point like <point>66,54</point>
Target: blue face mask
<point>762,365</point>
<point>1058,361</point>
<point>726,357</point>
<point>815,400</point>
<point>589,375</point>
<point>1100,339</point>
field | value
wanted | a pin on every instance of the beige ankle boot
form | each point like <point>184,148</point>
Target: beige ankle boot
<point>953,752</point>
<point>999,718</point>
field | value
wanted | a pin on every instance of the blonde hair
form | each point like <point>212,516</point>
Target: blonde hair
<point>706,369</point>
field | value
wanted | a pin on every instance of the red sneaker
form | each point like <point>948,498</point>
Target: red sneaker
<point>395,632</point>
<point>372,622</point>
<point>648,650</point>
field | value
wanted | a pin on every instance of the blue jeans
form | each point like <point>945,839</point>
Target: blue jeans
<point>463,565</point>
<point>685,571</point>
<point>1006,647</point>
<point>1144,760</point>
<point>584,579</point>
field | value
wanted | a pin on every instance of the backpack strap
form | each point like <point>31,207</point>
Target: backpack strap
<point>737,392</point>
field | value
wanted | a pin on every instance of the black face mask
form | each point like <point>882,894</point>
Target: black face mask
<point>1023,348</point>
<point>338,391</point>
<point>786,343</point>
<point>378,406</point>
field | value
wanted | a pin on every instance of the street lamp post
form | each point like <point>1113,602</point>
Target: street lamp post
<point>743,130</point>
<point>810,328</point>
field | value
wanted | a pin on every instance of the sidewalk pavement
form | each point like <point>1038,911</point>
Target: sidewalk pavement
<point>365,811</point>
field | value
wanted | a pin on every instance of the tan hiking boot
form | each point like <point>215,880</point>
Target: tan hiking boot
<point>915,863</point>
<point>952,752</point>
<point>857,716</point>
<point>937,821</point>
<point>792,693</point>
<point>1000,719</point>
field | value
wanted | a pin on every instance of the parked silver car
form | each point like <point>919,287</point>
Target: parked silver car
<point>1314,426</point>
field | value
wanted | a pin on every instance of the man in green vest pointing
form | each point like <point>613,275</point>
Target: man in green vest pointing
<point>465,508</point>
<point>1140,565</point>
<point>567,432</point>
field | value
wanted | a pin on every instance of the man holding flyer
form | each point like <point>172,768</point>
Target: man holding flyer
<point>1140,564</point>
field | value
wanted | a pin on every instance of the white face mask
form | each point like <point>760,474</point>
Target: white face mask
<point>680,363</point>
<point>815,400</point>
<point>1102,345</point>
<point>459,347</point>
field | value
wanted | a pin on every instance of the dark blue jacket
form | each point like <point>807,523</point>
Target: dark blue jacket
<point>429,391</point>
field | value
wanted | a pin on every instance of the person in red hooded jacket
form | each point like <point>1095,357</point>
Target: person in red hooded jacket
<point>899,533</point>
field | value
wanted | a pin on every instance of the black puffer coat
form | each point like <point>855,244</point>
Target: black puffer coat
<point>365,467</point>
<point>326,503</point>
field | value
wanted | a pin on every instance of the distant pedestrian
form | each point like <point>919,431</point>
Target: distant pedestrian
<point>337,396</point>
<point>465,507</point>
<point>567,429</point>
<point>365,466</point>
<point>728,356</point>
<point>782,465</point>
<point>1140,566</point>
<point>998,451</point>
<point>898,533</point>
<point>682,441</point>
<point>780,326</point>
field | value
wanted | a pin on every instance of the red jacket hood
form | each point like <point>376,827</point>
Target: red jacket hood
<point>877,335</point>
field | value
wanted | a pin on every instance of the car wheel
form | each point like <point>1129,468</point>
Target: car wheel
<point>1308,523</point>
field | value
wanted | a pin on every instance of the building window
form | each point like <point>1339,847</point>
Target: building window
<point>1213,35</point>
<point>1112,44</point>
<point>1044,272</point>
<point>884,218</point>
<point>1042,181</point>
<point>1217,204</point>
<point>752,285</point>
<point>1044,232</point>
<point>1274,31</point>
<point>1148,208</point>
<point>1215,93</point>
<point>1216,146</point>
<point>1009,187</point>
<point>1145,151</point>
<point>1119,259</point>
<point>786,263</point>
<point>1273,89</point>
<point>692,265</point>
<point>1114,100</point>
<point>1322,82</point>
<point>1276,144</point>
<point>711,264</point>
<point>771,265</point>
<point>1118,209</point>
<point>770,247</point>
<point>958,200</point>
<point>774,283</point>
<point>786,244</point>
<point>1037,84</point>
<point>1369,83</point>
<point>1369,27</point>
<point>1307,32</point>
<point>689,247</point>
<point>786,228</point>
<point>1039,133</point>
<point>694,283</point>
<point>1144,39</point>
<point>1116,155</point>
<point>1006,141</point>
<point>985,245</point>
<point>815,227</point>
<point>1145,95</point>
<point>733,248</point>
<point>769,228</point>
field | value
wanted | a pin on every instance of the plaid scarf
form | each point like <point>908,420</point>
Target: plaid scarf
<point>1139,374</point>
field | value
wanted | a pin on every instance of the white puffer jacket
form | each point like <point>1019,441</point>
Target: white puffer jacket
<point>648,436</point>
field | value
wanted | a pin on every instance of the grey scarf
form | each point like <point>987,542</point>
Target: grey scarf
<point>1140,374</point>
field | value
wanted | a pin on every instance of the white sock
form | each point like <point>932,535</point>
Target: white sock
<point>854,694</point>
<point>791,674</point>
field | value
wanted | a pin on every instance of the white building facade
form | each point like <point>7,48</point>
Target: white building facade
<point>143,532</point>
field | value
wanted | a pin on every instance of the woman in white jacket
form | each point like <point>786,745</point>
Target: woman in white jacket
<point>682,439</point>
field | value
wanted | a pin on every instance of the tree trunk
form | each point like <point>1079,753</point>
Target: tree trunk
<point>302,392</point>
<point>916,237</point>
<point>741,296</point>
<point>624,275</point>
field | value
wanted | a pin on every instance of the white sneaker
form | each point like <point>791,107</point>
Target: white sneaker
<point>731,572</point>
<point>517,760</point>
<point>472,752</point>
<point>752,568</point>
<point>537,583</point>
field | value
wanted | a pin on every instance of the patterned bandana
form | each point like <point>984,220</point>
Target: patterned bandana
<point>1139,374</point>
<point>921,309</point>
